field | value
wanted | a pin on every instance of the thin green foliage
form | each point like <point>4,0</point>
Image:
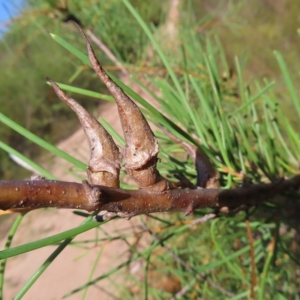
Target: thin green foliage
<point>117,137</point>
<point>288,81</point>
<point>49,240</point>
<point>10,237</point>
<point>40,170</point>
<point>39,141</point>
<point>242,127</point>
<point>84,92</point>
<point>88,221</point>
<point>92,272</point>
<point>83,57</point>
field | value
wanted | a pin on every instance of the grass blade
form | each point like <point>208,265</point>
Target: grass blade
<point>42,143</point>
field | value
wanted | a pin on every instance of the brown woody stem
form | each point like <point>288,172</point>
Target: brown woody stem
<point>47,193</point>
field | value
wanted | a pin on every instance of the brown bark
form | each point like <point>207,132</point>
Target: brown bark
<point>47,193</point>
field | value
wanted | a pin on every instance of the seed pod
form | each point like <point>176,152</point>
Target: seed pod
<point>105,159</point>
<point>140,153</point>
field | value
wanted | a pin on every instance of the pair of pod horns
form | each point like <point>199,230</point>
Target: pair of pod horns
<point>141,149</point>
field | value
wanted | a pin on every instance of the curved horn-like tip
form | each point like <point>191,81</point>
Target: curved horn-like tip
<point>141,145</point>
<point>105,158</point>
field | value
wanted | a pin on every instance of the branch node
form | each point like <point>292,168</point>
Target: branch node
<point>110,215</point>
<point>93,193</point>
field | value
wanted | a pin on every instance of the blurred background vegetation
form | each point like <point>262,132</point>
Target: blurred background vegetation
<point>211,35</point>
<point>28,54</point>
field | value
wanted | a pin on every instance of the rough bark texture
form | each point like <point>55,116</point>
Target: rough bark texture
<point>48,193</point>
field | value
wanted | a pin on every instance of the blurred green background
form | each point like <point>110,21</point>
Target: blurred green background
<point>250,31</point>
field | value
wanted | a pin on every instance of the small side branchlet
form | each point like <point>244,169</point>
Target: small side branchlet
<point>207,175</point>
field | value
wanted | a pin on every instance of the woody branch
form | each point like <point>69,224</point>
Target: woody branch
<point>48,193</point>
